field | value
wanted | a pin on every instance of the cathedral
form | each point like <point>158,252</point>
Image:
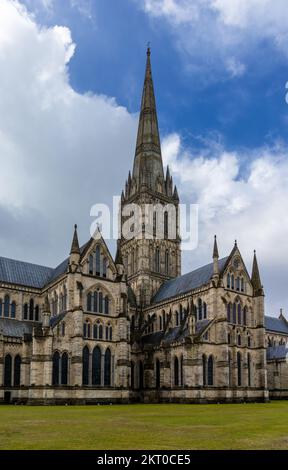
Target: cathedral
<point>134,329</point>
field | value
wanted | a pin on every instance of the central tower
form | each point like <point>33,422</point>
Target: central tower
<point>152,253</point>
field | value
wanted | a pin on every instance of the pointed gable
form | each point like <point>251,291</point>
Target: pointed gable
<point>95,253</point>
<point>236,269</point>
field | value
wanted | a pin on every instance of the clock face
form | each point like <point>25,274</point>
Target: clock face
<point>236,263</point>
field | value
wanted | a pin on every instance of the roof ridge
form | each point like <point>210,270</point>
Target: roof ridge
<point>194,270</point>
<point>26,262</point>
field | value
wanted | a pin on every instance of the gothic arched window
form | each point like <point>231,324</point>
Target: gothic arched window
<point>245,316</point>
<point>237,283</point>
<point>239,314</point>
<point>98,260</point>
<point>55,368</point>
<point>234,313</point>
<point>64,369</point>
<point>167,263</point>
<point>6,306</point>
<point>157,260</point>
<point>91,264</point>
<point>25,311</point>
<point>37,313</point>
<point>199,309</point>
<point>154,224</point>
<point>232,281</point>
<point>107,368</point>
<point>239,369</point>
<point>204,310</point>
<point>95,301</point>
<point>31,310</point>
<point>100,331</point>
<point>104,267</point>
<point>228,281</point>
<point>176,371</point>
<point>85,366</point>
<point>229,312</point>
<point>95,331</point>
<point>13,310</point>
<point>177,318</point>
<point>249,369</point>
<point>166,221</point>
<point>230,369</point>
<point>181,312</point>
<point>210,371</point>
<point>17,371</point>
<point>100,302</point>
<point>204,369</point>
<point>8,371</point>
<point>96,366</point>
<point>106,305</point>
<point>89,302</point>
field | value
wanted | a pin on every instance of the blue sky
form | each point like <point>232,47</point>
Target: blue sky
<point>70,88</point>
<point>247,110</point>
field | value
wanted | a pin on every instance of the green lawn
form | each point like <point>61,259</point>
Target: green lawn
<point>243,426</point>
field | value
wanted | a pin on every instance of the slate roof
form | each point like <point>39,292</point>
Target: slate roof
<point>187,282</point>
<point>15,328</point>
<point>277,352</point>
<point>31,275</point>
<point>25,274</point>
<point>171,335</point>
<point>201,325</point>
<point>276,324</point>
<point>56,319</point>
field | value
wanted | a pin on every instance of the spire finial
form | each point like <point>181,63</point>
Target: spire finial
<point>255,277</point>
<point>75,249</point>
<point>215,250</point>
<point>148,48</point>
<point>215,258</point>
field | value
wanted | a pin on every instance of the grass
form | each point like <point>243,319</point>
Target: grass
<point>144,427</point>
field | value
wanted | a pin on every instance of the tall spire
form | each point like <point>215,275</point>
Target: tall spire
<point>255,278</point>
<point>148,165</point>
<point>75,249</point>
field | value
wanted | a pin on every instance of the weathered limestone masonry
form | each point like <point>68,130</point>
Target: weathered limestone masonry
<point>99,330</point>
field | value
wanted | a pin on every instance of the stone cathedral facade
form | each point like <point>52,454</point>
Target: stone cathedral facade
<point>102,330</point>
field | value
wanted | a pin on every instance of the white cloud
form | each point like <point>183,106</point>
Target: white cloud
<point>250,208</point>
<point>83,7</point>
<point>58,148</point>
<point>217,33</point>
<point>179,12</point>
<point>234,67</point>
